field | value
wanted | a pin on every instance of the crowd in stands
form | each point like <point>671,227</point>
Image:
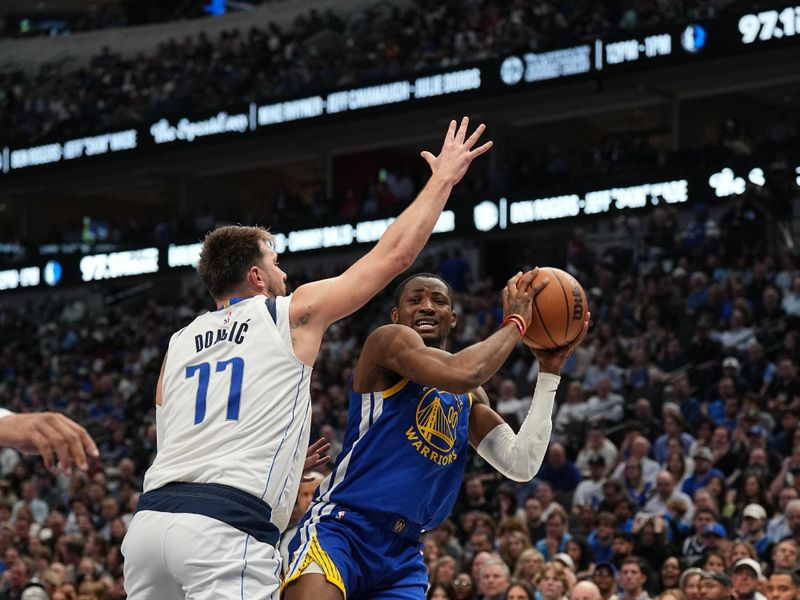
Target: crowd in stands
<point>321,49</point>
<point>674,461</point>
<point>384,192</point>
<point>124,13</point>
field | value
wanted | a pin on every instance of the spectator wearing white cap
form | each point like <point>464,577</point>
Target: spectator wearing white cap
<point>752,530</point>
<point>746,575</point>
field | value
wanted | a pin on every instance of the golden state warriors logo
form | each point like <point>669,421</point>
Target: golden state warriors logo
<point>436,424</point>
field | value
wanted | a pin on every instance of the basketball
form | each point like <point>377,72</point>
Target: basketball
<point>558,311</point>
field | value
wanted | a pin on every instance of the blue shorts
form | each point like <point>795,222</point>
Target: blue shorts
<point>365,560</point>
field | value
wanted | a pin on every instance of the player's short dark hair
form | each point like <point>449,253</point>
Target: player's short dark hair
<point>402,286</point>
<point>227,254</point>
<point>792,575</point>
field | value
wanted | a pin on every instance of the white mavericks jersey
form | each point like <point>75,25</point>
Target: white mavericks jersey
<point>236,405</point>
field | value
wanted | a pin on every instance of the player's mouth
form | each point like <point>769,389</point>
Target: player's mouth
<point>425,325</point>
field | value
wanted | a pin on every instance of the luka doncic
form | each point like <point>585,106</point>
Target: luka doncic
<point>413,406</point>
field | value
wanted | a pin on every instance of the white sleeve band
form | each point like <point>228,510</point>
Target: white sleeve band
<point>519,456</point>
<point>4,412</point>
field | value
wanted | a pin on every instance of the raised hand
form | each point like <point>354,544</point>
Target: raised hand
<point>457,152</point>
<point>315,456</point>
<point>552,361</point>
<point>54,436</point>
<point>519,293</point>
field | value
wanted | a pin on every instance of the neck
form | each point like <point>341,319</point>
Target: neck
<point>227,301</point>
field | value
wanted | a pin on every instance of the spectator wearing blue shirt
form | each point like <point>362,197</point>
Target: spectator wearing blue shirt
<point>603,369</point>
<point>703,471</point>
<point>561,474</point>
<point>682,395</point>
<point>556,537</point>
<point>601,538</point>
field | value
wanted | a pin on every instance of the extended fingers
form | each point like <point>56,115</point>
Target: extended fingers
<point>476,135</point>
<point>585,329</point>
<point>511,284</point>
<point>577,341</point>
<point>43,447</point>
<point>323,460</point>
<point>68,444</point>
<point>317,446</point>
<point>540,285</point>
<point>481,149</point>
<point>57,444</point>
<point>462,131</point>
<point>527,278</point>
<point>451,131</point>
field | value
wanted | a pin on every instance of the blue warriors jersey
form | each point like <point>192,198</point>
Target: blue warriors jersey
<point>404,453</point>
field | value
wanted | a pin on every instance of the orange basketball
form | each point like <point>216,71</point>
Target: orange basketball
<point>559,310</point>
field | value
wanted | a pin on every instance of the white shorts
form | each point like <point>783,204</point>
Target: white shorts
<point>185,556</point>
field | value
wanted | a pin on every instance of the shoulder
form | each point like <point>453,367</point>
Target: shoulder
<point>384,336</point>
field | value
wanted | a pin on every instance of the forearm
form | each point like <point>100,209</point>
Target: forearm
<point>407,235</point>
<point>519,456</point>
<point>474,365</point>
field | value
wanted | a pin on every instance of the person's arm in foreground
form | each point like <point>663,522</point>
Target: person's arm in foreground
<point>54,436</point>
<point>318,304</point>
<point>519,456</point>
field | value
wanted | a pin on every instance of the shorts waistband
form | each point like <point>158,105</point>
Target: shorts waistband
<point>397,524</point>
<point>238,509</point>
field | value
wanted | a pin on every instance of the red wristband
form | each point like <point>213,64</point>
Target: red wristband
<point>517,320</point>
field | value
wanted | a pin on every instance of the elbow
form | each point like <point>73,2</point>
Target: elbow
<point>402,261</point>
<point>460,386</point>
<point>520,477</point>
<point>466,382</point>
<point>524,474</point>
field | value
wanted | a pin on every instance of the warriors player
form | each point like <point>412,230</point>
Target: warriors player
<point>233,405</point>
<point>405,447</point>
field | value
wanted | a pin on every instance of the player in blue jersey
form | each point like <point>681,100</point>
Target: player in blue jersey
<point>405,447</point>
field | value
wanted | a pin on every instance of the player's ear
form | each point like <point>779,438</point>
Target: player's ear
<point>453,320</point>
<point>395,315</point>
<point>254,277</point>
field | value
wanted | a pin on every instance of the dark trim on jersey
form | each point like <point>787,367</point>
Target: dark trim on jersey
<point>271,307</point>
<point>231,301</point>
<point>238,509</point>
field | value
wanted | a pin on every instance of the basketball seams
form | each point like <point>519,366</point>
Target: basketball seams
<point>567,320</point>
<point>544,324</point>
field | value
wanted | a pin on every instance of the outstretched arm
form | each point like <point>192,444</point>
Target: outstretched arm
<point>519,456</point>
<point>318,304</point>
<point>399,349</point>
<point>54,436</point>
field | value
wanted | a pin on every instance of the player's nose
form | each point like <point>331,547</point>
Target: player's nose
<point>426,305</point>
